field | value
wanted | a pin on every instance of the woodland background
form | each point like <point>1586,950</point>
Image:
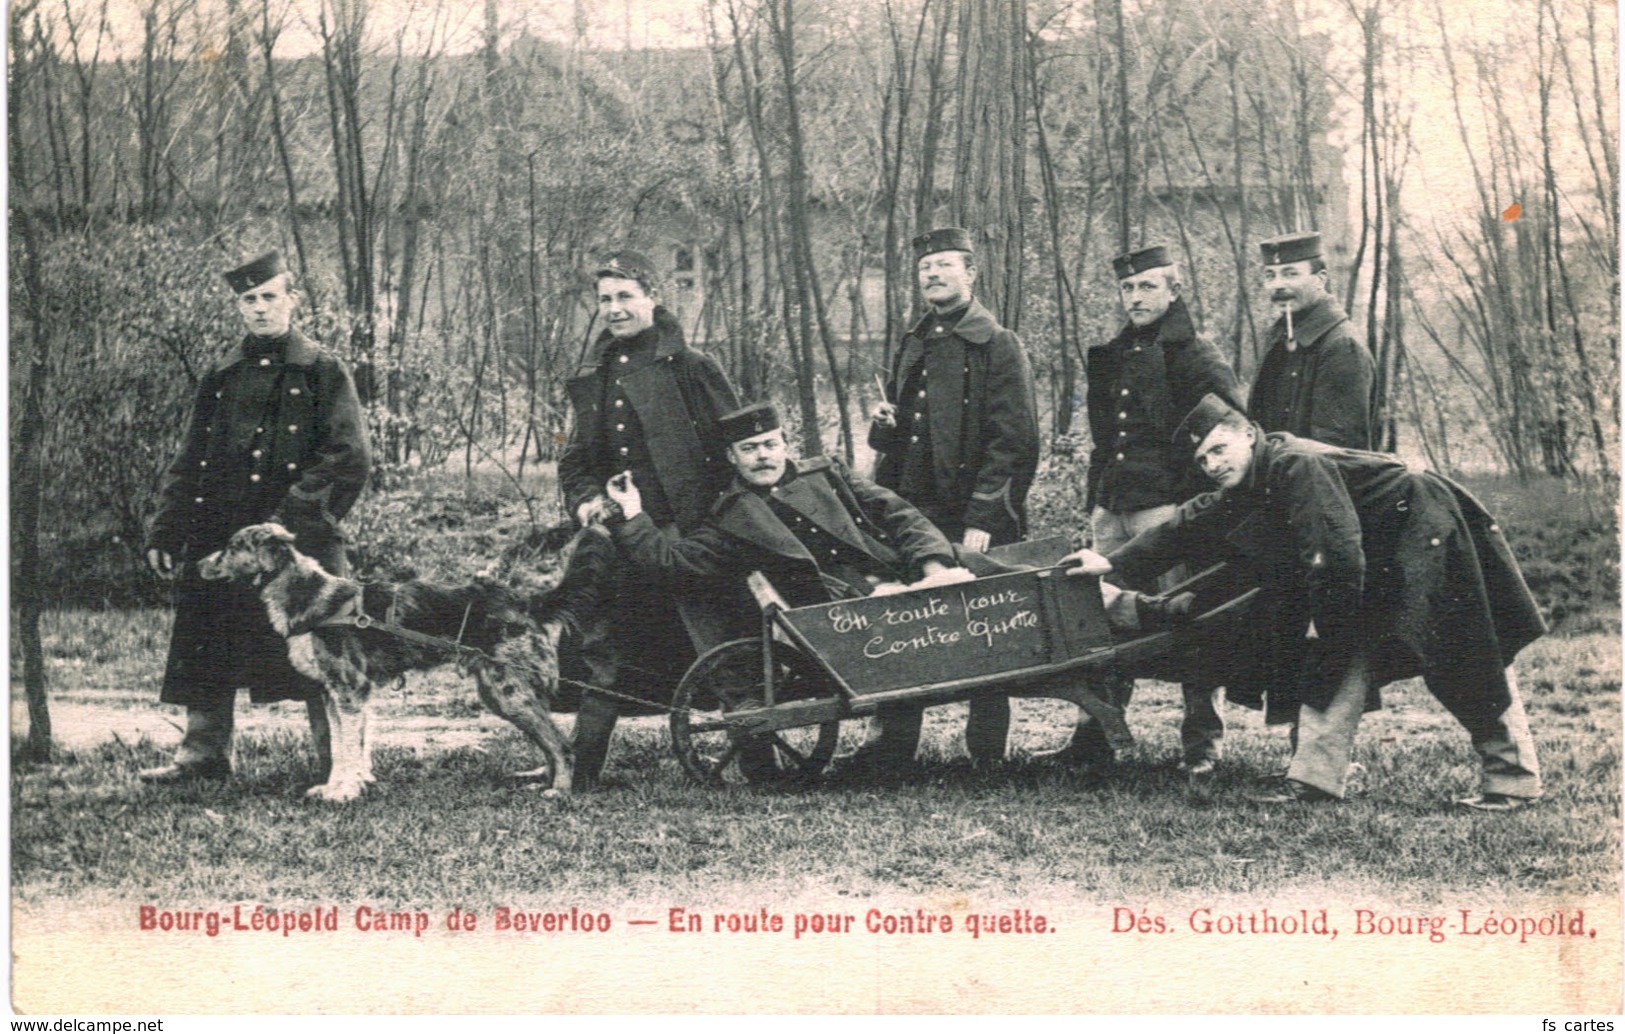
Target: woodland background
<point>443,174</point>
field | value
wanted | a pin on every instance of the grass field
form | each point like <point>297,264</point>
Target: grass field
<point>441,826</point>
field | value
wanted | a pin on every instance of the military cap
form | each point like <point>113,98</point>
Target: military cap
<point>252,274</point>
<point>627,265</point>
<point>1208,414</point>
<point>748,422</point>
<point>946,238</point>
<point>1132,262</point>
<point>1293,247</point>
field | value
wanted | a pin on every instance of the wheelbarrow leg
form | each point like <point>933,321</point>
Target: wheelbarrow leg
<point>895,741</point>
<point>987,729</point>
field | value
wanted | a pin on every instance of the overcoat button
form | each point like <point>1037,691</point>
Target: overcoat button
<point>253,477</point>
<point>198,500</point>
<point>1119,455</point>
<point>265,362</point>
<point>293,391</point>
<point>257,453</point>
<point>624,359</point>
<point>203,463</point>
<point>259,430</point>
<point>293,427</point>
<point>1435,542</point>
<point>293,466</point>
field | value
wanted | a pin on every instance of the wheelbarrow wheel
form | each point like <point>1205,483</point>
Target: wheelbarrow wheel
<point>729,678</point>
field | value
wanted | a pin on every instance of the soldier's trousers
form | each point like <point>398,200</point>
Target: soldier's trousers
<point>1325,737</point>
<point>1201,730</point>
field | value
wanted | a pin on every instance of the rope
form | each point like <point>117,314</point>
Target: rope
<point>360,619</point>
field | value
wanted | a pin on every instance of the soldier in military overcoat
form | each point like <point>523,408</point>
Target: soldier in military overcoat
<point>958,434</point>
<point>1315,380</point>
<point>1370,573</point>
<point>1141,383</point>
<point>817,530</point>
<point>642,401</point>
<point>276,433</point>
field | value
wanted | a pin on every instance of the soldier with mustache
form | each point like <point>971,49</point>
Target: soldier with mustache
<point>958,434</point>
<point>1316,377</point>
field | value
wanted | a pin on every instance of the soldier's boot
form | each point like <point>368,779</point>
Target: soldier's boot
<point>987,729</point>
<point>595,726</point>
<point>1088,748</point>
<point>205,750</point>
<point>1201,731</point>
<point>1159,613</point>
<point>321,738</point>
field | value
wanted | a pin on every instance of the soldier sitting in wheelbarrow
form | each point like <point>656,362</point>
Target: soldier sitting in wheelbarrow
<point>815,529</point>
<point>1370,573</point>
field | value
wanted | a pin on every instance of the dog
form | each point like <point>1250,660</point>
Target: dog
<point>508,639</point>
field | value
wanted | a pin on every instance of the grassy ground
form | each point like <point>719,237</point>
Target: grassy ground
<point>441,826</point>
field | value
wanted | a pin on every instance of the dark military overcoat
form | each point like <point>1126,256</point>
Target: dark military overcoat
<point>1322,388</point>
<point>1406,566</point>
<point>984,426</point>
<point>744,534</point>
<point>677,400</point>
<point>1141,385</point>
<point>276,431</point>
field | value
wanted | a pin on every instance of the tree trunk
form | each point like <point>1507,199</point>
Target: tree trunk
<point>990,181</point>
<point>28,483</point>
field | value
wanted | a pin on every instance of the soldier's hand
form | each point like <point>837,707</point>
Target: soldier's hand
<point>885,414</point>
<point>939,575</point>
<point>594,511</point>
<point>977,540</point>
<point>623,492</point>
<point>1086,562</point>
<point>162,564</point>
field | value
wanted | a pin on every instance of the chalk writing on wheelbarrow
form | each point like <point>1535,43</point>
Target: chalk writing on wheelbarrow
<point>937,621</point>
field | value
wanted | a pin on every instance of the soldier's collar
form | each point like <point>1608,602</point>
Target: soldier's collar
<point>740,487</point>
<point>669,341</point>
<point>1309,326</point>
<point>976,325</point>
<point>297,350</point>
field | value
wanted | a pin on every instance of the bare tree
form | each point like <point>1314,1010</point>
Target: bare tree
<point>990,169</point>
